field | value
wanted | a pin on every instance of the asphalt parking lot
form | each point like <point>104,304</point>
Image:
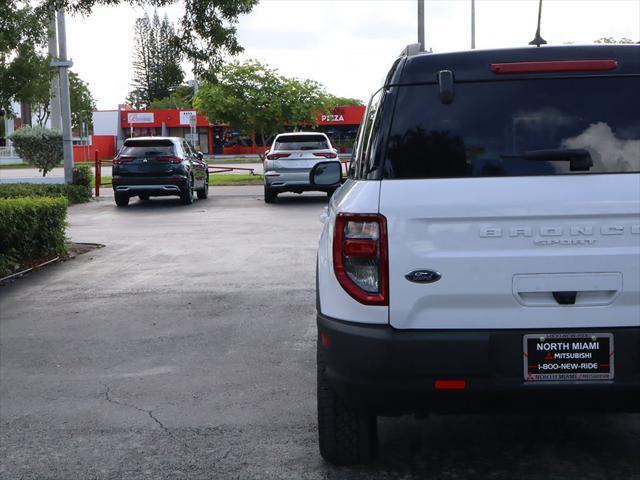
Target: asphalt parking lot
<point>186,349</point>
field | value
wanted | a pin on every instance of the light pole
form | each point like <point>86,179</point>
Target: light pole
<point>54,103</point>
<point>63,66</point>
<point>473,24</point>
<point>421,24</point>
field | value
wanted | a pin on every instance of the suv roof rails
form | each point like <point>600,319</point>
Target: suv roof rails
<point>411,50</point>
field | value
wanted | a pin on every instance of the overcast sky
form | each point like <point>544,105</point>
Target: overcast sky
<point>348,45</point>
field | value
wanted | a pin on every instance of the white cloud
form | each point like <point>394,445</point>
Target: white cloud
<point>348,45</point>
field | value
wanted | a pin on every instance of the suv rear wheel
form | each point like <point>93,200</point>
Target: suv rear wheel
<point>204,191</point>
<point>122,199</point>
<point>187,193</point>
<point>347,435</point>
<point>269,195</point>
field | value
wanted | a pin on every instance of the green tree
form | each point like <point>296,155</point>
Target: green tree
<point>623,40</point>
<point>255,98</point>
<point>206,35</point>
<point>247,95</point>
<point>23,31</point>
<point>82,102</point>
<point>39,147</point>
<point>181,97</point>
<point>301,100</point>
<point>156,63</point>
<point>344,101</point>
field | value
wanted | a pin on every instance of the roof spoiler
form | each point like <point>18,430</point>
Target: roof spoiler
<point>410,50</point>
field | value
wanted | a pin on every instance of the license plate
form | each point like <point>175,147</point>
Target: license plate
<point>568,356</point>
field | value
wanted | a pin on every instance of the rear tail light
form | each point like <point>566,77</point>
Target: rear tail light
<point>360,257</point>
<point>121,160</point>
<point>276,156</point>
<point>325,154</point>
<point>555,66</point>
<point>169,159</point>
<point>163,159</point>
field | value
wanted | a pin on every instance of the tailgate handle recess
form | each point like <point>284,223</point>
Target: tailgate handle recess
<point>568,289</point>
<point>565,298</point>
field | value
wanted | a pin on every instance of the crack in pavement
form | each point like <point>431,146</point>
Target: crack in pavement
<point>107,396</point>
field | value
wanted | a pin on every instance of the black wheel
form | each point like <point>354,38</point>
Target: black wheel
<point>144,197</point>
<point>204,191</point>
<point>187,193</point>
<point>269,195</point>
<point>122,199</point>
<point>348,435</point>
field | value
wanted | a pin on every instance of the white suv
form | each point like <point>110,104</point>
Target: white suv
<point>484,252</point>
<point>289,160</point>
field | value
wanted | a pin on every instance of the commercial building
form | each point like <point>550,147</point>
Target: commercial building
<point>112,127</point>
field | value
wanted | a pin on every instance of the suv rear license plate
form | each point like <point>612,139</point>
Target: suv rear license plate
<point>568,356</point>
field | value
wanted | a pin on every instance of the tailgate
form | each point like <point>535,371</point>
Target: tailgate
<point>519,252</point>
<point>298,162</point>
<point>145,166</point>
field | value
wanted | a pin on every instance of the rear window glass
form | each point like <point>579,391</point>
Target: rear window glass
<point>513,128</point>
<point>148,147</point>
<point>301,142</point>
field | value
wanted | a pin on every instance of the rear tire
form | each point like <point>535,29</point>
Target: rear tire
<point>187,193</point>
<point>122,199</point>
<point>348,435</point>
<point>204,192</point>
<point>269,195</point>
<point>143,197</point>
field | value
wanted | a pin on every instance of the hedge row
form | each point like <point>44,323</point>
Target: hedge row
<point>73,193</point>
<point>32,228</point>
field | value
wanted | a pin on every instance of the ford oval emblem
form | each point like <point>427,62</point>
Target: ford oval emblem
<point>423,276</point>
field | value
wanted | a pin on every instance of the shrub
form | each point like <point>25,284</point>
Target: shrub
<point>83,177</point>
<point>32,228</point>
<point>73,193</point>
<point>39,147</point>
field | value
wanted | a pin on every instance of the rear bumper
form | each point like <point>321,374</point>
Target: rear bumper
<point>169,185</point>
<point>392,372</point>
<point>279,181</point>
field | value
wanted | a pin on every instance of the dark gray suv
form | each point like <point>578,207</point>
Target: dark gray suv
<point>159,166</point>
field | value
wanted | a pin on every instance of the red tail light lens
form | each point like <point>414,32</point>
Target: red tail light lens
<point>325,154</point>
<point>276,156</point>
<point>451,384</point>
<point>556,66</point>
<point>121,160</point>
<point>360,257</point>
<point>169,159</point>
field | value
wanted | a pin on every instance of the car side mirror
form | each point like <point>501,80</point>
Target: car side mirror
<point>199,155</point>
<point>326,174</point>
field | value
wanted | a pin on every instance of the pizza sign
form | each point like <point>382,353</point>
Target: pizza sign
<point>333,118</point>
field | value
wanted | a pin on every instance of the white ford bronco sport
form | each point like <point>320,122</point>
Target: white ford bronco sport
<point>484,252</point>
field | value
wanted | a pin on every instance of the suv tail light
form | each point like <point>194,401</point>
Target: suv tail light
<point>360,257</point>
<point>276,156</point>
<point>169,159</point>
<point>121,160</point>
<point>325,154</point>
